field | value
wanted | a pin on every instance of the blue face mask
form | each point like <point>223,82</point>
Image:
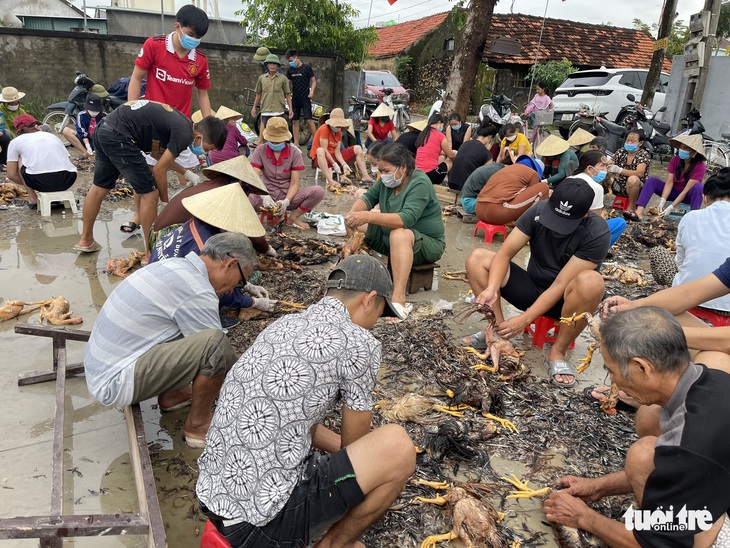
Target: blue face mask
<point>276,147</point>
<point>684,154</point>
<point>631,147</point>
<point>293,64</point>
<point>188,42</point>
<point>600,176</point>
<point>197,150</point>
<point>456,128</point>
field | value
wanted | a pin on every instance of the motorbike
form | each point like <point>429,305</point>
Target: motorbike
<point>593,120</point>
<point>498,109</point>
<point>402,115</point>
<point>637,116</point>
<point>693,124</point>
<point>304,134</point>
<point>436,107</point>
<point>359,111</point>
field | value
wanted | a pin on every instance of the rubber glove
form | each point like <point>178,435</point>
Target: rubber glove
<point>662,203</point>
<point>614,169</point>
<point>269,202</point>
<point>88,149</point>
<point>267,305</point>
<point>256,290</point>
<point>281,206</point>
<point>192,177</point>
<point>271,252</point>
<point>667,211</point>
<point>337,169</point>
<point>345,169</point>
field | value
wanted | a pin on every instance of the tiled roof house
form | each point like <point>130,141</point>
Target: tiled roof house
<point>395,39</point>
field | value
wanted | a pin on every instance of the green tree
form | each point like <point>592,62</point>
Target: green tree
<point>553,73</point>
<point>723,24</point>
<point>284,24</point>
<point>678,36</point>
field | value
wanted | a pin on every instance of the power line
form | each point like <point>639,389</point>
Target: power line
<point>401,9</point>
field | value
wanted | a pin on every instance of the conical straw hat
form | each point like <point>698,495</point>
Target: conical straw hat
<point>227,208</point>
<point>552,146</point>
<point>418,126</point>
<point>224,113</point>
<point>382,110</point>
<point>198,116</point>
<point>580,137</point>
<point>240,169</point>
<point>692,141</point>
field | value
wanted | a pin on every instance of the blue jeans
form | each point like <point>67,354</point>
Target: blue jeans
<point>616,225</point>
<point>470,204</point>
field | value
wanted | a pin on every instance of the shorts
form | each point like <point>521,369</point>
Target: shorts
<point>117,154</point>
<point>265,119</point>
<point>425,248</point>
<point>173,365</point>
<point>303,106</point>
<point>522,292</point>
<point>348,155</point>
<point>438,174</point>
<point>48,182</point>
<point>326,492</point>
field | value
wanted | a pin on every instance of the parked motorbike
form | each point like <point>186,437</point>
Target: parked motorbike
<point>402,115</point>
<point>637,116</point>
<point>359,112</point>
<point>498,109</point>
<point>304,134</point>
<point>693,124</point>
<point>436,107</point>
<point>593,120</point>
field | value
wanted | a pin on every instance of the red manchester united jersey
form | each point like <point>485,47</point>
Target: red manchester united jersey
<point>170,79</point>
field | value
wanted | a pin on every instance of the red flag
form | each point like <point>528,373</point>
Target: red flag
<point>391,2</point>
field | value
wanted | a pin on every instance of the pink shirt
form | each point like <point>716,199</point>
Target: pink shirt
<point>276,174</point>
<point>427,156</point>
<point>234,139</point>
<point>538,101</point>
<point>698,173</point>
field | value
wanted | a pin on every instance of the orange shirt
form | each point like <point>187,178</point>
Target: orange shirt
<point>333,141</point>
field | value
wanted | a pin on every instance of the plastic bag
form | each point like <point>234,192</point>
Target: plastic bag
<point>333,225</point>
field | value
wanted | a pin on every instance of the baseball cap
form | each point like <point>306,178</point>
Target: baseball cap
<point>529,161</point>
<point>23,121</point>
<point>364,273</point>
<point>566,208</point>
<point>93,102</point>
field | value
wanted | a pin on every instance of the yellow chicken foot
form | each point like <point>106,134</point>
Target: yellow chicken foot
<point>505,423</point>
<point>448,411</point>
<point>575,318</point>
<point>450,393</point>
<point>291,305</point>
<point>430,542</point>
<point>524,491</point>
<point>585,362</point>
<point>431,484</point>
<point>480,367</point>
<point>436,500</point>
<point>516,544</point>
<point>476,352</point>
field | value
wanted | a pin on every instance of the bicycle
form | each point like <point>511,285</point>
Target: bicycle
<point>717,153</point>
<point>543,118</point>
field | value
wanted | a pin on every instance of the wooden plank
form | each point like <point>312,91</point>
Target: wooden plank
<point>144,479</point>
<point>35,377</point>
<point>51,331</point>
<point>444,196</point>
<point>56,527</point>
<point>57,454</point>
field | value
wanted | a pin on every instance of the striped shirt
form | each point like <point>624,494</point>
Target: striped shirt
<point>162,302</point>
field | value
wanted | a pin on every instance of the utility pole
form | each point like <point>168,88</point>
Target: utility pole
<point>660,48</point>
<point>714,7</point>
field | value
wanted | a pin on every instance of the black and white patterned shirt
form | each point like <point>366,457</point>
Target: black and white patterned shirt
<point>284,384</point>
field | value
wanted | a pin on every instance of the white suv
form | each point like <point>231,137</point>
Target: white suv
<point>604,88</point>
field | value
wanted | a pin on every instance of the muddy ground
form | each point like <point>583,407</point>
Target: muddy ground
<point>559,431</point>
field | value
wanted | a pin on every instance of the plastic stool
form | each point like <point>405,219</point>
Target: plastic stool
<point>539,331</point>
<point>46,198</point>
<point>717,320</point>
<point>621,202</point>
<point>268,217</point>
<point>318,171</point>
<point>212,537</point>
<point>490,231</point>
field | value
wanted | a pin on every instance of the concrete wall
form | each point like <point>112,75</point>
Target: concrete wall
<point>48,8</point>
<point>127,22</point>
<point>43,65</point>
<point>715,111</point>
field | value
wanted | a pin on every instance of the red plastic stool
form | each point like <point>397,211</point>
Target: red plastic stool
<point>714,318</point>
<point>539,331</point>
<point>621,202</point>
<point>268,217</point>
<point>490,231</point>
<point>212,537</point>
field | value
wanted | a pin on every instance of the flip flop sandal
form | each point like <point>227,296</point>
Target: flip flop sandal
<point>631,216</point>
<point>402,311</point>
<point>620,404</point>
<point>477,341</point>
<point>129,227</point>
<point>94,247</point>
<point>195,443</point>
<point>560,367</point>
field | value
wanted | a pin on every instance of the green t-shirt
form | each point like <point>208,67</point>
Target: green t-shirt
<point>10,116</point>
<point>478,178</point>
<point>416,204</point>
<point>568,165</point>
<point>273,91</point>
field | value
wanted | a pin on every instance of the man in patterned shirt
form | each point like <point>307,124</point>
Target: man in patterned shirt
<point>260,483</point>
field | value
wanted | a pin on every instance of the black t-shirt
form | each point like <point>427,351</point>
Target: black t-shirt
<point>457,136</point>
<point>408,140</point>
<point>692,456</point>
<point>153,126</point>
<point>301,78</point>
<point>472,155</point>
<point>551,251</point>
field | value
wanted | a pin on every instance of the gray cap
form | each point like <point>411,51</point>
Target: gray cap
<point>365,273</point>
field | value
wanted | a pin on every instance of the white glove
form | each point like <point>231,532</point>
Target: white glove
<point>269,202</point>
<point>267,305</point>
<point>662,203</point>
<point>271,252</point>
<point>337,169</point>
<point>282,205</point>
<point>614,169</point>
<point>192,177</point>
<point>667,211</point>
<point>256,290</point>
<point>88,149</point>
<point>346,169</point>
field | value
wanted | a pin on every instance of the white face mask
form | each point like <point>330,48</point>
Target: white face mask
<point>390,181</point>
<point>13,107</point>
<point>93,113</point>
<point>510,139</point>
